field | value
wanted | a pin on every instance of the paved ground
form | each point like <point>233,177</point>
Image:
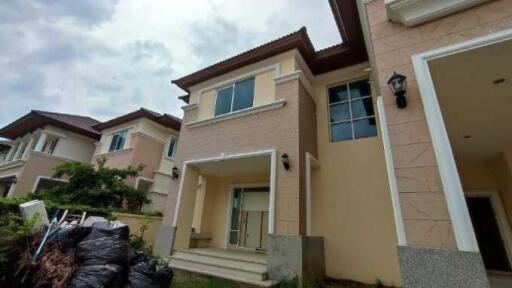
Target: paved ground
<point>500,281</point>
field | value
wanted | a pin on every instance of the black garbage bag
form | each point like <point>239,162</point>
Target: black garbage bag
<point>103,229</point>
<point>97,276</point>
<point>104,250</point>
<point>149,275</point>
<point>68,239</point>
<point>137,257</point>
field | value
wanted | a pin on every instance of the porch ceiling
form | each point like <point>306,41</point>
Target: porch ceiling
<point>474,90</point>
<point>248,166</point>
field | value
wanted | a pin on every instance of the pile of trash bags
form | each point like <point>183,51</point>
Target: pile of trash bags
<point>98,256</point>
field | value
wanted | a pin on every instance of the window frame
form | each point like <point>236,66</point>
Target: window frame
<point>175,145</point>
<point>232,85</point>
<point>349,101</point>
<point>113,135</point>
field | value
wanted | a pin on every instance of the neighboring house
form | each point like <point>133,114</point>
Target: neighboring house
<point>142,137</point>
<point>296,162</point>
<point>39,142</point>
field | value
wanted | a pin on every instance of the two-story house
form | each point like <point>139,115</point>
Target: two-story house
<point>142,137</point>
<point>39,142</point>
<point>282,170</point>
<point>298,162</point>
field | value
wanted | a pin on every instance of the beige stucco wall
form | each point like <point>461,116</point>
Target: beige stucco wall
<point>204,94</point>
<point>37,164</point>
<point>73,146</point>
<point>147,143</point>
<point>351,205</point>
<point>134,222</point>
<point>415,164</point>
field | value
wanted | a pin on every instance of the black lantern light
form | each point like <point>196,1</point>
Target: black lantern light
<point>175,173</point>
<point>286,161</point>
<point>398,85</point>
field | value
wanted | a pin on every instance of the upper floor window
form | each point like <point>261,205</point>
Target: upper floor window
<point>118,140</point>
<point>351,114</point>
<point>172,147</point>
<point>52,146</point>
<point>236,97</point>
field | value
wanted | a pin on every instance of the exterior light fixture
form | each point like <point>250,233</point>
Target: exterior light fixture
<point>398,85</point>
<point>286,161</point>
<point>175,173</point>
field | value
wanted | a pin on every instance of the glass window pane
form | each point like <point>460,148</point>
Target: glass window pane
<point>170,149</point>
<point>365,128</point>
<point>339,112</point>
<point>113,144</point>
<point>362,108</point>
<point>244,94</point>
<point>338,94</point>
<point>223,102</point>
<point>359,89</point>
<point>341,131</point>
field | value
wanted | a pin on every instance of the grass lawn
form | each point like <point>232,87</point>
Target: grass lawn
<point>190,280</point>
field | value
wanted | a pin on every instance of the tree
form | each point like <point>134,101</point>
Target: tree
<point>101,187</point>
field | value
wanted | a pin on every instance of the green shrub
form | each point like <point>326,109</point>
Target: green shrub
<point>100,186</point>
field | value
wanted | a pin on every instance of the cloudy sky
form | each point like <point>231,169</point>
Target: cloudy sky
<point>105,58</point>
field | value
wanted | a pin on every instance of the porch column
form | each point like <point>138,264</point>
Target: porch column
<point>10,155</point>
<point>29,147</point>
<point>19,151</point>
<point>185,207</point>
<point>41,141</point>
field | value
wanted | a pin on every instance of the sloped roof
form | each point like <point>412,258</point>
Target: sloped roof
<point>162,119</point>
<point>35,119</point>
<point>351,51</point>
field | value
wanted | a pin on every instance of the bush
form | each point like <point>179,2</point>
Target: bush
<point>15,233</point>
<point>101,187</point>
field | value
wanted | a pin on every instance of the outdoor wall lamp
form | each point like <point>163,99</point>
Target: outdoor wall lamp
<point>398,85</point>
<point>175,173</point>
<point>286,161</point>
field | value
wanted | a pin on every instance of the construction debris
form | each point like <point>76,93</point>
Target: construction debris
<point>68,254</point>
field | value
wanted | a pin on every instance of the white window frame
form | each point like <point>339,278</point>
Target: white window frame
<point>233,85</point>
<point>349,101</point>
<point>124,131</point>
<point>168,146</point>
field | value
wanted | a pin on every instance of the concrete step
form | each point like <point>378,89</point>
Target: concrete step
<point>188,268</point>
<point>233,266</point>
<point>239,256</point>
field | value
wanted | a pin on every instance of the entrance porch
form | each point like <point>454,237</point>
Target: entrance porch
<point>465,90</point>
<point>223,218</point>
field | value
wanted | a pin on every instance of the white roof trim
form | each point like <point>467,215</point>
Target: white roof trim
<point>415,12</point>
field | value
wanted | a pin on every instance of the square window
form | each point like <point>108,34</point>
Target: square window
<point>338,94</point>
<point>341,131</point>
<point>236,97</point>
<point>351,112</point>
<point>362,108</point>
<point>359,89</point>
<point>340,112</point>
<point>365,128</point>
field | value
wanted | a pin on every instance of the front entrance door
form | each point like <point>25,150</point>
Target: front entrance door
<point>488,234</point>
<point>249,218</point>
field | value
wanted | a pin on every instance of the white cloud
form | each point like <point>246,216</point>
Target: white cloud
<point>106,58</point>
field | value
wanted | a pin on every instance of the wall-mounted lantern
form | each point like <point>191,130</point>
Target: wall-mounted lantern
<point>286,161</point>
<point>398,85</point>
<point>175,173</point>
